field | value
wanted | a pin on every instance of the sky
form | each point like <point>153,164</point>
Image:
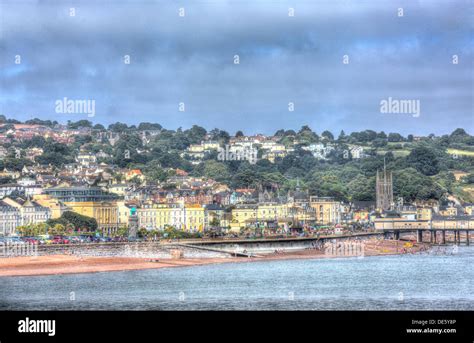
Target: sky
<point>283,59</point>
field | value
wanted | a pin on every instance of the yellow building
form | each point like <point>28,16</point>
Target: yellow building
<point>123,213</point>
<point>7,173</point>
<point>152,216</point>
<point>118,188</point>
<point>195,148</point>
<point>273,155</point>
<point>469,209</point>
<point>327,210</point>
<point>106,214</point>
<point>272,211</point>
<point>242,214</point>
<point>210,145</point>
<point>449,211</point>
<point>195,218</point>
<point>169,215</point>
<point>424,213</point>
<point>57,208</point>
<point>301,214</point>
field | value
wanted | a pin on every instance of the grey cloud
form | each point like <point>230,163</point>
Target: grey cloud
<point>282,59</point>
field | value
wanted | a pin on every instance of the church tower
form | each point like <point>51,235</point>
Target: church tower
<point>384,189</point>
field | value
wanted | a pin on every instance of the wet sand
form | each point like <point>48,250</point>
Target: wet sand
<point>67,264</point>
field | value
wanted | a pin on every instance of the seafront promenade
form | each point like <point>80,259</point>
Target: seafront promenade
<point>194,248</point>
<point>123,256</point>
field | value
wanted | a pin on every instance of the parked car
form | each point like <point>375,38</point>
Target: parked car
<point>14,240</point>
<point>32,240</point>
<point>75,239</point>
<point>60,240</point>
<point>44,239</point>
<point>85,238</point>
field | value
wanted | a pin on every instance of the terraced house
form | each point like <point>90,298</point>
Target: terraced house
<point>15,212</point>
<point>152,216</point>
<point>9,219</point>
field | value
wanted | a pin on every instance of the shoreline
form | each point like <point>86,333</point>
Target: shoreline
<point>67,264</point>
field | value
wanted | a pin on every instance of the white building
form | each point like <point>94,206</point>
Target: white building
<point>357,152</point>
<point>26,181</point>
<point>86,159</point>
<point>319,150</point>
<point>29,211</point>
<point>8,188</point>
<point>9,219</point>
<point>3,152</point>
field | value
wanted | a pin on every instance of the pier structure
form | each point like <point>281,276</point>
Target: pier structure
<point>438,230</point>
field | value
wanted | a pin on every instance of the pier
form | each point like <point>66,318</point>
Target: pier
<point>437,232</point>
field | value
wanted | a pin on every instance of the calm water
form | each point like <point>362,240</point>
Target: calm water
<point>426,281</point>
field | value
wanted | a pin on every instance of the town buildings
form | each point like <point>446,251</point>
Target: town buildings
<point>17,211</point>
<point>9,219</point>
<point>92,202</point>
<point>92,184</point>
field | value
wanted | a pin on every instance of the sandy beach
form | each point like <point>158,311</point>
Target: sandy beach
<point>67,264</point>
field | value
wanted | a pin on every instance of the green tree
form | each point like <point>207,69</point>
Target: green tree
<point>214,222</point>
<point>216,170</point>
<point>395,137</point>
<point>412,185</point>
<point>468,179</point>
<point>79,124</point>
<point>76,221</point>
<point>149,126</point>
<point>423,160</point>
<point>57,229</point>
<point>361,189</point>
<point>118,127</point>
<point>328,135</point>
